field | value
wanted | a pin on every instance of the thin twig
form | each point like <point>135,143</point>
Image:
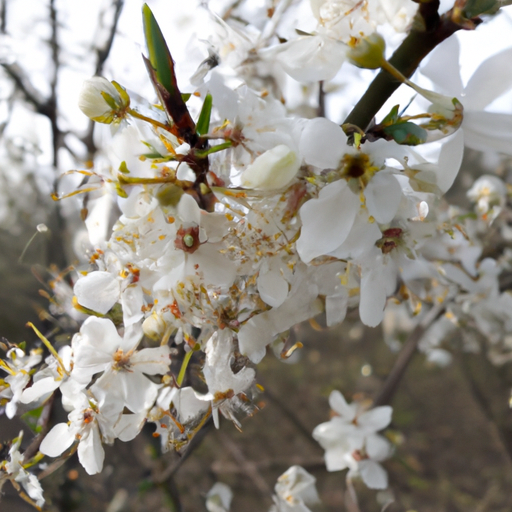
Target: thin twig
<point>246,466</point>
<point>321,99</point>
<point>483,403</point>
<point>102,54</point>
<point>351,501</point>
<point>317,463</point>
<point>171,490</point>
<point>290,414</point>
<point>172,469</point>
<point>3,17</point>
<point>405,357</point>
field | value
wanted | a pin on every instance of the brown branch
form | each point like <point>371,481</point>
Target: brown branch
<point>3,17</point>
<point>321,100</point>
<point>30,93</point>
<point>52,101</point>
<point>246,466</point>
<point>102,55</point>
<point>405,357</point>
<point>502,435</point>
<point>429,29</point>
<point>195,442</point>
<point>286,411</point>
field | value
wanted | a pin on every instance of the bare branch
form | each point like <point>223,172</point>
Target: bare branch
<point>102,54</point>
<point>405,357</point>
<point>246,466</point>
<point>3,17</point>
<point>24,85</point>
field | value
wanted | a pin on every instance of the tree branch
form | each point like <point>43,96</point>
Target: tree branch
<point>3,17</point>
<point>429,29</point>
<point>405,357</point>
<point>102,54</point>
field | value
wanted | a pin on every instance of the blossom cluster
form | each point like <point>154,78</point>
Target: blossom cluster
<point>239,219</point>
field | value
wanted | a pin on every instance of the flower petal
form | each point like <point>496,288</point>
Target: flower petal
<point>59,439</point>
<point>326,221</point>
<point>98,291</point>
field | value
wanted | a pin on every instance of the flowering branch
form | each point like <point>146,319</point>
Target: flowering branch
<point>429,30</point>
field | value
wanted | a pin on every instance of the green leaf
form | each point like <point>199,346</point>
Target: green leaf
<point>159,54</point>
<point>474,8</point>
<point>160,67</point>
<point>31,418</point>
<point>203,123</point>
<point>408,134</point>
<point>392,117</point>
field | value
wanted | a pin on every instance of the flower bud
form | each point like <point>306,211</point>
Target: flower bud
<point>368,52</point>
<point>154,326</point>
<point>103,101</point>
<point>272,170</point>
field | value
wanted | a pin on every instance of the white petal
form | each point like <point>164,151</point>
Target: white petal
<point>309,58</point>
<point>360,240</point>
<point>132,301</point>
<point>59,439</point>
<point>38,389</point>
<point>443,67</point>
<point>336,307</point>
<point>254,336</point>
<point>377,447</point>
<point>152,361</point>
<point>216,267</point>
<point>188,404</point>
<point>101,334</point>
<point>376,419</point>
<point>326,221</point>
<point>450,160</point>
<point>373,296</point>
<point>272,287</point>
<point>373,474</point>
<point>383,195</point>
<point>487,131</point>
<point>271,170</point>
<point>139,392</point>
<point>339,405</point>
<point>90,451</point>
<point>492,79</point>
<point>323,143</point>
<point>335,458</point>
<point>188,209</point>
<point>97,221</point>
<point>98,291</point>
<point>219,498</point>
<point>129,426</point>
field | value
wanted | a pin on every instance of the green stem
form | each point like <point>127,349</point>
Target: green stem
<point>214,149</point>
<point>154,122</point>
<point>183,369</point>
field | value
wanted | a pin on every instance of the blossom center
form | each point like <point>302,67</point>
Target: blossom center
<point>187,239</point>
